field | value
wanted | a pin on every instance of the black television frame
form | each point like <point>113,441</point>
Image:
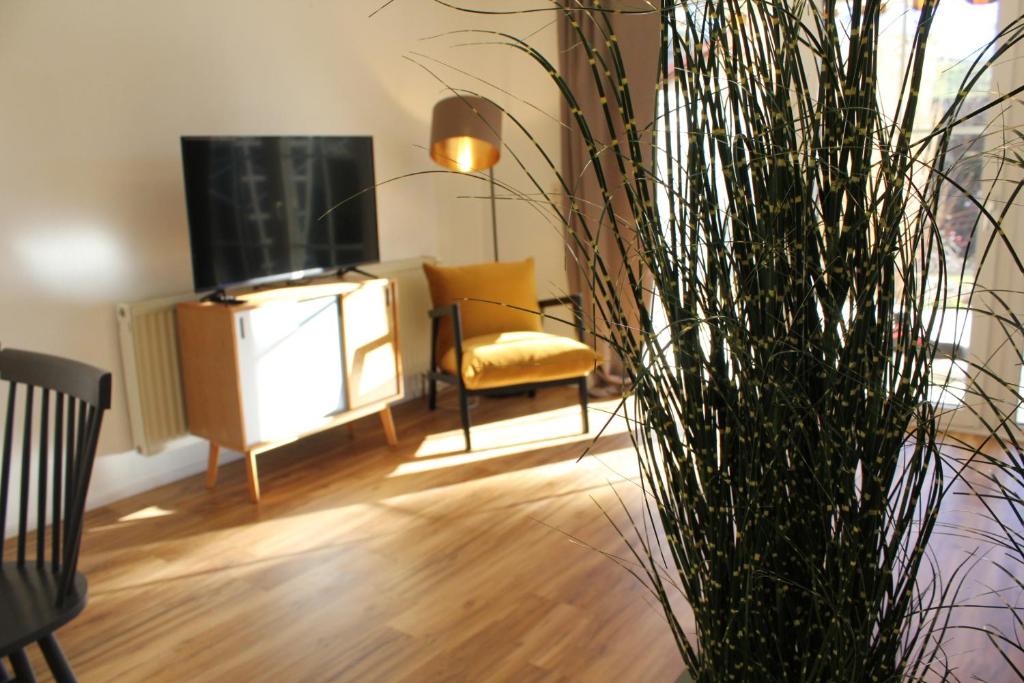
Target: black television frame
<point>219,289</point>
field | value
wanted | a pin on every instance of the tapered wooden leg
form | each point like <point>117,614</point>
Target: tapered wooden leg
<point>388,422</point>
<point>254,476</point>
<point>4,675</point>
<point>56,660</point>
<point>22,669</point>
<point>211,465</point>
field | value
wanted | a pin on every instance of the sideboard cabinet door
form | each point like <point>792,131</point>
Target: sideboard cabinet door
<point>290,367</point>
<point>372,363</point>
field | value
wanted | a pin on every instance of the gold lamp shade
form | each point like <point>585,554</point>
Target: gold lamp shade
<point>465,134</point>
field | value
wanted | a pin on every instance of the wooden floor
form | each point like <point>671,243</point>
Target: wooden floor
<point>363,563</point>
<point>420,563</point>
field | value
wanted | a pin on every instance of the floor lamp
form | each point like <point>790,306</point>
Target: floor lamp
<point>465,136</point>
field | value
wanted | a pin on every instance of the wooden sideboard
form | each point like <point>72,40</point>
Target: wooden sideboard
<point>284,363</point>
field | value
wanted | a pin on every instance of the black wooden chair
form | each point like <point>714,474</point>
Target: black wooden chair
<point>61,408</point>
<point>582,357</point>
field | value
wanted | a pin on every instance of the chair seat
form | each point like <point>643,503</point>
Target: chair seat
<point>28,604</point>
<point>506,359</point>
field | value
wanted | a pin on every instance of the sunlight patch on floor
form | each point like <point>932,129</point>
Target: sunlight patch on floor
<point>146,513</point>
<point>448,442</point>
<point>508,437</point>
<point>151,512</point>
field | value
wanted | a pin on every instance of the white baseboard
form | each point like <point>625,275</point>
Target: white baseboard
<point>122,475</point>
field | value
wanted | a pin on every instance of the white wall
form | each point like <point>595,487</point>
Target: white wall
<point>96,95</point>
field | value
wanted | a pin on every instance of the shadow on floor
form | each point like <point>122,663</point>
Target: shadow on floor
<point>332,470</point>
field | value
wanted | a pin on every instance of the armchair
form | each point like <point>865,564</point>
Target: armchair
<point>486,337</point>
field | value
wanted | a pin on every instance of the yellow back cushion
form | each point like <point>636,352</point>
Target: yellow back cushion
<point>512,284</point>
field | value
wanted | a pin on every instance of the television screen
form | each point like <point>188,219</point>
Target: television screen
<point>268,208</point>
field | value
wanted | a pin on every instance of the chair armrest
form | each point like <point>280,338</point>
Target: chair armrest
<point>435,327</point>
<point>575,302</point>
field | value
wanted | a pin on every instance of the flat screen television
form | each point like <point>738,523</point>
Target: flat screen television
<point>264,209</point>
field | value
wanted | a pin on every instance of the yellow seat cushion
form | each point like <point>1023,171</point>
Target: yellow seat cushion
<point>512,285</point>
<point>507,358</point>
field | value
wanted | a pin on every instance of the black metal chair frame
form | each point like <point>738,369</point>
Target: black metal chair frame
<point>38,595</point>
<point>436,374</point>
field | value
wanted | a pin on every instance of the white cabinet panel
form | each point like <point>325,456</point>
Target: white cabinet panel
<point>371,355</point>
<point>290,367</point>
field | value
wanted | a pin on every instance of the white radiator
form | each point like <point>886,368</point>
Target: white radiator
<point>149,352</point>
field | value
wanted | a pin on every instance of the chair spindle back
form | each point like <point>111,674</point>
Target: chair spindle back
<point>62,403</point>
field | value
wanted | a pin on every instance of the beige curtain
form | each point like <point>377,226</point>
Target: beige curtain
<point>637,29</point>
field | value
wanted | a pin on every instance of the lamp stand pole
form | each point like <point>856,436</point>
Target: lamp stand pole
<point>494,216</point>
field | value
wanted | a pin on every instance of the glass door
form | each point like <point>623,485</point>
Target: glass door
<point>976,349</point>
